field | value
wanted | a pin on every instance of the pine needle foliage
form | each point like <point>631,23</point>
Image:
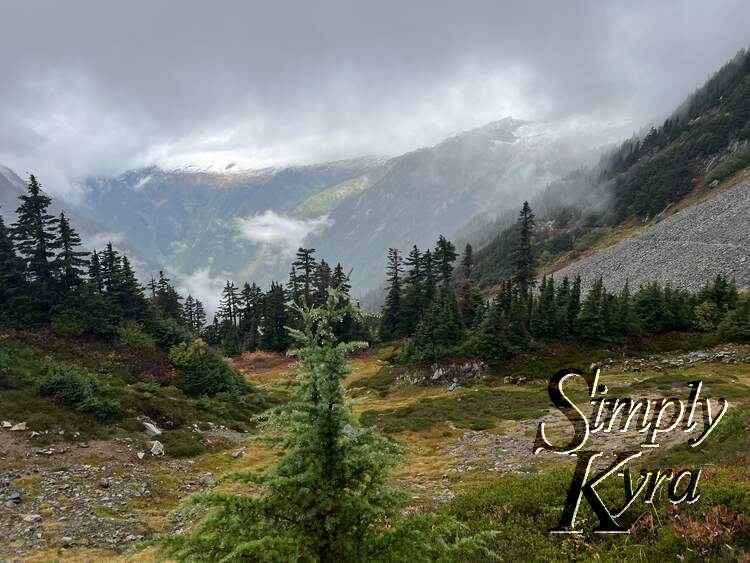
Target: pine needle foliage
<point>328,498</point>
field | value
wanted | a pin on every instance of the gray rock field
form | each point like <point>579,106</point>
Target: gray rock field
<point>687,249</point>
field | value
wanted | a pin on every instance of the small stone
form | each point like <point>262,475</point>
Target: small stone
<point>7,424</point>
<point>34,434</point>
<point>104,483</point>
<point>207,479</point>
<point>238,453</point>
<point>151,429</point>
<point>30,518</point>
<point>156,448</point>
<point>83,445</point>
<point>14,497</point>
<point>141,455</point>
<point>349,431</point>
<point>66,540</point>
<point>453,386</point>
<point>19,426</point>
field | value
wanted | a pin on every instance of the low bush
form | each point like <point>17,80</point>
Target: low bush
<point>77,388</point>
<point>201,371</point>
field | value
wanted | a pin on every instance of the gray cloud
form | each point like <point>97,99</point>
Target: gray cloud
<point>98,87</point>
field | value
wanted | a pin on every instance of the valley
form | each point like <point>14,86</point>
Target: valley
<point>86,498</point>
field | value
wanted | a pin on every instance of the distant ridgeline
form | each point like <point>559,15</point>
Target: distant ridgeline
<point>704,142</point>
<point>445,316</point>
<point>48,279</point>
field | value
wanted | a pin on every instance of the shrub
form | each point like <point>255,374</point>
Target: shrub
<point>182,443</point>
<point>76,388</point>
<point>201,371</point>
<point>132,333</point>
<point>67,324</point>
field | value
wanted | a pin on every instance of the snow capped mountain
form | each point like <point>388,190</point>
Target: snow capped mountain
<point>206,225</point>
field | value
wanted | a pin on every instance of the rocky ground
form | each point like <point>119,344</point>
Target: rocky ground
<point>61,498</point>
<point>67,495</point>
<point>687,249</point>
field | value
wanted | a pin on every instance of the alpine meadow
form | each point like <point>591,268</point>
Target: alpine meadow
<point>374,281</point>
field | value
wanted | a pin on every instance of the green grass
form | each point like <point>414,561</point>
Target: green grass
<point>479,409</point>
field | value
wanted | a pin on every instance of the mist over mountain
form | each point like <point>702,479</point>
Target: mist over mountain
<point>206,226</point>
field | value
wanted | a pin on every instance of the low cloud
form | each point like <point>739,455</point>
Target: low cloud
<point>204,287</point>
<point>279,230</point>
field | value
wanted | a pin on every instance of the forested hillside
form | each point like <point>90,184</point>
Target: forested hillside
<point>701,144</point>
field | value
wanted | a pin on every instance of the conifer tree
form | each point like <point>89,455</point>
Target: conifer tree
<point>430,285</point>
<point>491,339</point>
<point>591,321</point>
<point>274,333</point>
<point>229,306</point>
<point>200,317</point>
<point>574,305</point>
<point>189,311</point>
<point>469,299</point>
<point>251,315</point>
<point>329,496</point>
<point>33,233</point>
<point>96,281</point>
<point>412,307</point>
<point>444,256</point>
<point>70,262</point>
<point>12,282</point>
<point>523,258</point>
<point>392,310</point>
<point>321,282</point>
<point>304,268</point>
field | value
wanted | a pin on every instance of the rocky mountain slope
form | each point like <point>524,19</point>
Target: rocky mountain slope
<point>209,226</point>
<point>686,249</point>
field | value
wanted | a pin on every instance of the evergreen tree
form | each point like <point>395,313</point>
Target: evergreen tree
<point>322,279</point>
<point>329,496</point>
<point>524,260</point>
<point>200,317</point>
<point>591,322</point>
<point>412,307</point>
<point>444,256</point>
<point>439,333</point>
<point>251,315</point>
<point>96,280</point>
<point>274,333</point>
<point>229,306</point>
<point>189,311</point>
<point>491,340</point>
<point>574,305</point>
<point>70,263</point>
<point>391,316</point>
<point>626,321</point>
<point>304,267</point>
<point>34,233</point>
<point>469,299</point>
<point>430,286</point>
<point>12,282</point>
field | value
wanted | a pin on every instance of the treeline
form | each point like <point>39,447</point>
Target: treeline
<point>47,278</point>
<point>249,319</point>
<point>446,317</point>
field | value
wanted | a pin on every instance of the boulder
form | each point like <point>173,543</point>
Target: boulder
<point>156,448</point>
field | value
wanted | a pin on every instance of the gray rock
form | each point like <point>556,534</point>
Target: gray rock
<point>19,426</point>
<point>156,448</point>
<point>151,429</point>
<point>207,479</point>
<point>14,496</point>
<point>104,483</point>
<point>686,249</point>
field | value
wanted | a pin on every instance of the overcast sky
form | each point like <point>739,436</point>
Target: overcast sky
<point>92,87</point>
